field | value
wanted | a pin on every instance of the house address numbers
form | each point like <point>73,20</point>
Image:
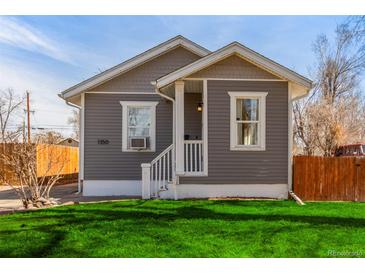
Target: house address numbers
<point>103,142</point>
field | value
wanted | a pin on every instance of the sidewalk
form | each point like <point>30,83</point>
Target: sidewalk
<point>64,194</point>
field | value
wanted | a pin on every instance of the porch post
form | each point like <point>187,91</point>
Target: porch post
<point>290,138</point>
<point>179,142</point>
<point>146,181</point>
<point>82,144</point>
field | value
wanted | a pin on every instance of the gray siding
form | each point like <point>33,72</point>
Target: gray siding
<point>103,120</point>
<point>139,79</point>
<point>246,167</point>
<point>233,67</point>
<point>193,118</point>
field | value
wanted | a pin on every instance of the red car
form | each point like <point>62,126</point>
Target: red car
<point>351,150</point>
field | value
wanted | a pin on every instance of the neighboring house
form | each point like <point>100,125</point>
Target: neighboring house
<point>71,142</point>
<point>179,121</point>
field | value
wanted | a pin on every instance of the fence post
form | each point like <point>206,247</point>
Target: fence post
<point>146,181</point>
<point>357,184</point>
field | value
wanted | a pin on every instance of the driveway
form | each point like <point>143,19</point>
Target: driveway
<point>64,194</point>
<point>9,201</point>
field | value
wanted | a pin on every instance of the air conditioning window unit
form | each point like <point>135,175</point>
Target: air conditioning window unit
<point>138,143</point>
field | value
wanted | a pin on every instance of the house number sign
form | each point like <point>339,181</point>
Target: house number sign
<point>103,142</point>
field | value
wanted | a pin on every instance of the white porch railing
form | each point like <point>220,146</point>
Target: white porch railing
<point>161,171</point>
<point>194,160</point>
<point>157,174</point>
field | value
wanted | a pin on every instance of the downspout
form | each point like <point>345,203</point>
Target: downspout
<point>290,138</point>
<point>290,143</point>
<point>79,108</point>
<point>290,147</point>
<point>173,122</point>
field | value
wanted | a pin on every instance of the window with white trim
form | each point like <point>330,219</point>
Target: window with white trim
<point>139,126</point>
<point>248,113</point>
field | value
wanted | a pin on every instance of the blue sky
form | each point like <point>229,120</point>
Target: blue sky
<point>47,54</point>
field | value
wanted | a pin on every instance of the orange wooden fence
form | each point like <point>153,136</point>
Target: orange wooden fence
<point>4,170</point>
<point>51,159</point>
<point>329,178</point>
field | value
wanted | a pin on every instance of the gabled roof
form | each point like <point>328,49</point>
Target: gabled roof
<point>245,53</point>
<point>69,138</point>
<point>134,62</point>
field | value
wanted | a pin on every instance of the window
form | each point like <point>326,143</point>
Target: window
<point>248,120</point>
<point>139,126</point>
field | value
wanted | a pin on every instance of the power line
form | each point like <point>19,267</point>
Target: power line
<point>43,126</point>
<point>50,125</point>
<point>52,111</point>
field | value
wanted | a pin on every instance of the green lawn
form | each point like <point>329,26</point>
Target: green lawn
<point>188,228</point>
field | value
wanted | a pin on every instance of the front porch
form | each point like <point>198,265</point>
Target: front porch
<point>187,155</point>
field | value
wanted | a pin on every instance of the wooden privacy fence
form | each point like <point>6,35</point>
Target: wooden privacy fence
<point>51,160</point>
<point>329,178</point>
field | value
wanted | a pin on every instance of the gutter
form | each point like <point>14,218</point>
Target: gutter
<point>154,83</point>
<point>301,96</point>
<point>72,105</point>
<point>67,102</point>
<point>79,108</point>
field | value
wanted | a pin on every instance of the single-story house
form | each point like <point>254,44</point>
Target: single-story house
<point>179,121</point>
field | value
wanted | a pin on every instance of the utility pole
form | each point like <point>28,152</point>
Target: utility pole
<point>28,117</point>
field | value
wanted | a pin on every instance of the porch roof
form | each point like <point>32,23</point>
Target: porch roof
<point>302,84</point>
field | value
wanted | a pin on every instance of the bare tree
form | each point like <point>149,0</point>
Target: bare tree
<point>302,128</point>
<point>24,176</point>
<point>10,104</point>
<point>18,160</point>
<point>74,121</point>
<point>334,112</point>
<point>339,65</point>
<point>356,24</point>
<point>48,137</point>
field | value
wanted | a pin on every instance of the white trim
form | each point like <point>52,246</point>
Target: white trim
<point>112,188</point>
<point>134,62</point>
<point>139,103</point>
<point>297,91</point>
<point>244,52</point>
<point>125,105</point>
<point>173,162</point>
<point>193,174</point>
<point>235,79</point>
<point>290,137</point>
<point>82,143</point>
<point>205,127</point>
<point>179,143</point>
<point>186,191</point>
<point>261,96</point>
<point>121,92</point>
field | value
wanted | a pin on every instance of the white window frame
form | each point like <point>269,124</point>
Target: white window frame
<point>261,96</point>
<point>125,105</point>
